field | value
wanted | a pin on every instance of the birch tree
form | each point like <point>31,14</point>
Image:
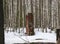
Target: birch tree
<point>14,13</point>
<point>36,12</point>
<point>59,12</point>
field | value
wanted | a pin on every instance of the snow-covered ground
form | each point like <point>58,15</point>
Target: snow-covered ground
<point>15,37</point>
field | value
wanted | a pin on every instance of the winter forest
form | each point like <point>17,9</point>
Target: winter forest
<point>46,15</point>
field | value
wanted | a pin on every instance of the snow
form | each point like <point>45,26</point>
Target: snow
<point>14,37</point>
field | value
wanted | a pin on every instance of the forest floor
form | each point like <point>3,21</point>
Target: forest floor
<point>15,37</point>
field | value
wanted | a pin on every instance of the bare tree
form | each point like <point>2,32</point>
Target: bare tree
<point>40,11</point>
<point>36,12</point>
<point>59,12</point>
